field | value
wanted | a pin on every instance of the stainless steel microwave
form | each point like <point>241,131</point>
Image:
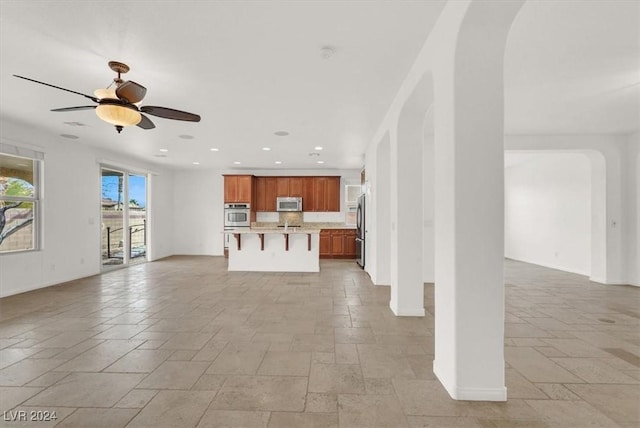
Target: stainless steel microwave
<point>289,204</point>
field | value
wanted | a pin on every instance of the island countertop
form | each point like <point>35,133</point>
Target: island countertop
<point>274,249</point>
<point>306,225</point>
<point>271,230</point>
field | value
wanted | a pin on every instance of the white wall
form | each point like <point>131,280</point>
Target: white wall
<point>548,211</point>
<point>428,201</point>
<point>160,216</point>
<point>631,222</point>
<point>71,212</point>
<point>198,211</point>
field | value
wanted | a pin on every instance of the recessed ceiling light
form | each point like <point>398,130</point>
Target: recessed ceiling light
<point>196,163</point>
<point>186,137</point>
<point>164,150</point>
<point>236,162</point>
<point>266,149</point>
<point>281,133</point>
<point>317,148</point>
<point>160,156</point>
<point>314,154</point>
<point>74,123</point>
<point>278,162</point>
<point>320,161</point>
<point>214,149</point>
<point>70,136</point>
<point>327,52</point>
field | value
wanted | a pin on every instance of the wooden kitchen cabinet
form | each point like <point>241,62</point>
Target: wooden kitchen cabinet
<point>350,243</point>
<point>318,194</point>
<point>326,194</point>
<point>282,186</point>
<point>260,199</point>
<point>338,244</point>
<point>333,194</point>
<point>289,186</point>
<point>295,187</point>
<point>270,193</point>
<point>308,184</point>
<point>325,244</point>
<point>238,188</point>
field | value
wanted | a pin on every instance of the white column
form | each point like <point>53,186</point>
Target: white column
<point>407,285</point>
<point>407,289</point>
<point>383,225</point>
<point>469,213</point>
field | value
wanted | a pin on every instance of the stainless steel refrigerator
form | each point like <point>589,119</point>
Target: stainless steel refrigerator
<point>360,231</point>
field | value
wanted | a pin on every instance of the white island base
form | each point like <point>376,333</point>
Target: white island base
<point>259,250</point>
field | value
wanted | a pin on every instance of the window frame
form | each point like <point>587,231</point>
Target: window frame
<point>35,200</point>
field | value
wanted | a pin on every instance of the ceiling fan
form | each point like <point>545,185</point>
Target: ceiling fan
<point>118,106</point>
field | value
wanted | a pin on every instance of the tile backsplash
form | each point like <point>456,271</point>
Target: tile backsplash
<point>291,218</point>
<point>314,217</point>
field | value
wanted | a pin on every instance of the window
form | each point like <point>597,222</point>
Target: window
<point>19,198</point>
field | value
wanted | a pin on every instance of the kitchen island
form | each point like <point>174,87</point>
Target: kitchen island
<point>279,249</point>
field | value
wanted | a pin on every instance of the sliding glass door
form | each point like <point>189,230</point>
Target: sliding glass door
<point>124,217</point>
<point>137,218</point>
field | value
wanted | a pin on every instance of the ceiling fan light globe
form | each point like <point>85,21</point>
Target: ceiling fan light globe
<point>103,93</point>
<point>118,115</point>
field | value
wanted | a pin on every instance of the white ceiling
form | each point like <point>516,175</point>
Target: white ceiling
<point>573,67</point>
<point>255,67</point>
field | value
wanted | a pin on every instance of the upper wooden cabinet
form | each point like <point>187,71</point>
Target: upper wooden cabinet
<point>295,187</point>
<point>238,188</point>
<point>318,193</point>
<point>308,184</point>
<point>326,194</point>
<point>270,193</point>
<point>333,194</point>
<point>265,197</point>
<point>282,186</point>
<point>260,200</point>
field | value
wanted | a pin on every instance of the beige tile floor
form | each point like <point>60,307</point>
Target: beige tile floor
<point>181,343</point>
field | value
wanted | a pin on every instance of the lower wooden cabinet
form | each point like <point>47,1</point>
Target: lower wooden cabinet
<point>337,244</point>
<point>350,243</point>
<point>325,244</point>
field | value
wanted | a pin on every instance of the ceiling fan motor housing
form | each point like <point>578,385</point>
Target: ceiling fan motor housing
<point>120,68</point>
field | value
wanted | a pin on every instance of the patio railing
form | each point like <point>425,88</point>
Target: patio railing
<point>132,229</point>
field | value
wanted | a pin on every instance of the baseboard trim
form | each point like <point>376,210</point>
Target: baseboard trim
<point>550,266</point>
<point>470,394</point>
<point>606,281</point>
<point>406,312</point>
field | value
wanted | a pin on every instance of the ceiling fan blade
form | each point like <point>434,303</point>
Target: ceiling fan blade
<point>169,113</point>
<point>145,123</point>
<point>94,99</point>
<point>74,108</point>
<point>131,91</point>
